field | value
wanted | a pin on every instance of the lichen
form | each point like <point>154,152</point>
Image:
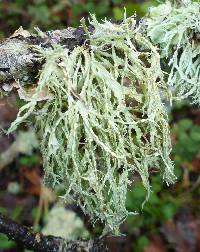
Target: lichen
<point>65,223</point>
<point>105,120</point>
<point>175,28</point>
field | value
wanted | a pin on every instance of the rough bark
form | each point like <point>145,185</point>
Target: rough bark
<point>40,243</point>
<point>19,61</point>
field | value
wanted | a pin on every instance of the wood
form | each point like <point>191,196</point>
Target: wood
<point>18,59</point>
<point>37,242</point>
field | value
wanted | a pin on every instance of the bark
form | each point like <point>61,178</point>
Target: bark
<point>19,61</point>
<point>40,243</point>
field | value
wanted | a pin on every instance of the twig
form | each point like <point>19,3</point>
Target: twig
<point>19,61</point>
<point>40,243</point>
<point>195,185</point>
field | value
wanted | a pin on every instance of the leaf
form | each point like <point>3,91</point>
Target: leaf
<point>185,124</point>
<point>155,245</point>
<point>168,210</point>
<point>142,242</point>
<point>183,233</point>
<point>118,13</point>
<point>196,165</point>
<point>5,243</point>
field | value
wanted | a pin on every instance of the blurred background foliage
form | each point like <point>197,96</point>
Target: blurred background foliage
<point>170,220</point>
<point>52,14</point>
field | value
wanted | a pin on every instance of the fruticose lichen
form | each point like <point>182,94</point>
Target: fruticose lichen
<point>105,119</point>
<point>175,28</point>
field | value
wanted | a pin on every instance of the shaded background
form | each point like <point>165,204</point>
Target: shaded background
<point>52,14</point>
<point>170,221</point>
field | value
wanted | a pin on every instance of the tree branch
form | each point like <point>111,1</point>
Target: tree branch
<point>18,61</point>
<point>40,243</point>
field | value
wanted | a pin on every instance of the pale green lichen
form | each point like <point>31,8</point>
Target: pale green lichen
<point>105,120</point>
<point>175,28</point>
<point>65,223</point>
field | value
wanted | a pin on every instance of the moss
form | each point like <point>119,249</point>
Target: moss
<point>175,28</point>
<point>106,120</point>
